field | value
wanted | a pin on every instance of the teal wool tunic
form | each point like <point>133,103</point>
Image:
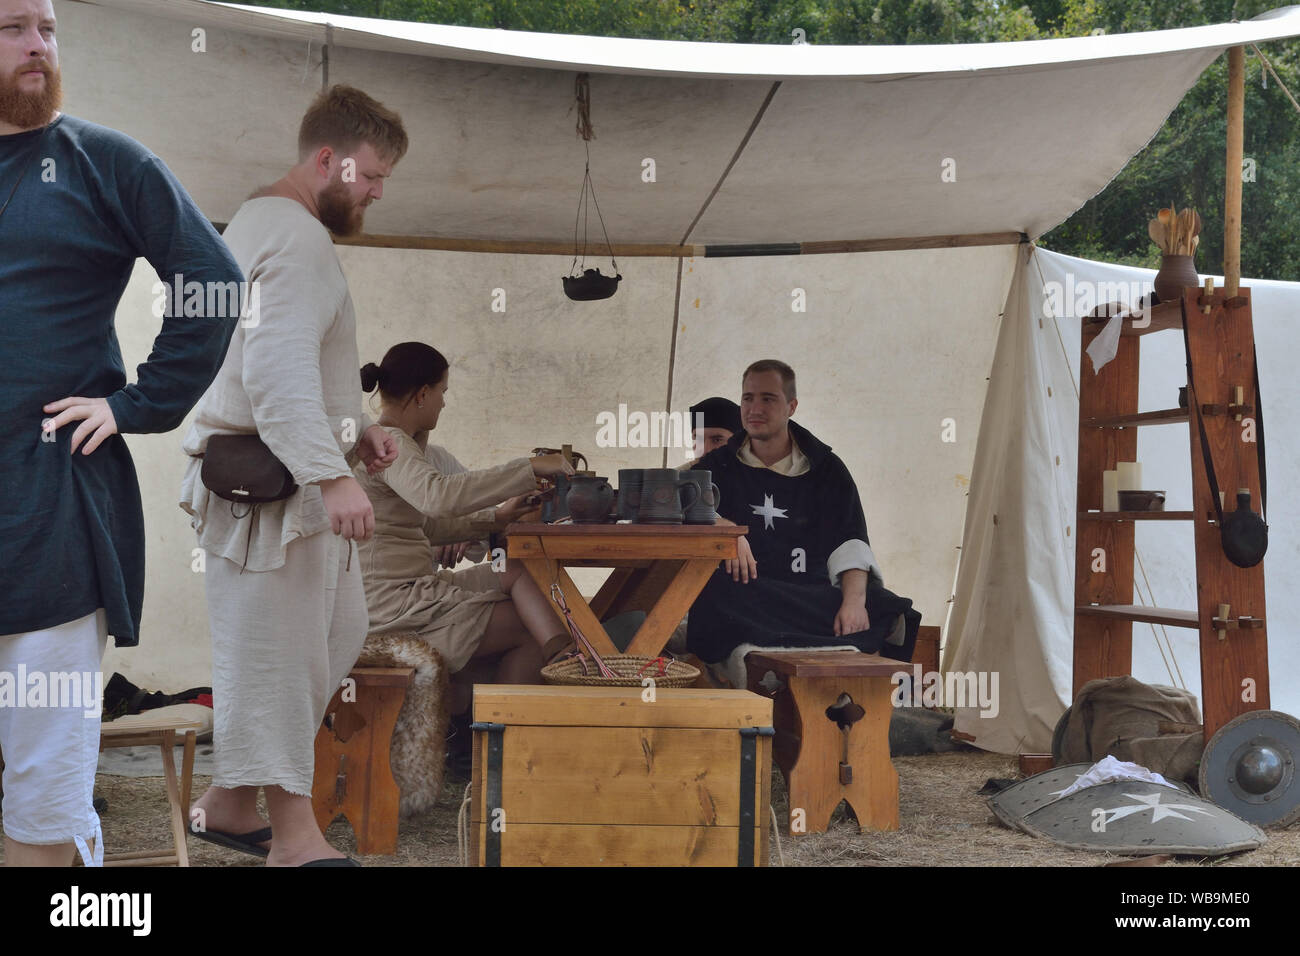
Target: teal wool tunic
<point>92,201</point>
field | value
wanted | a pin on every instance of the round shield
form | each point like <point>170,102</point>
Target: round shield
<point>1249,768</point>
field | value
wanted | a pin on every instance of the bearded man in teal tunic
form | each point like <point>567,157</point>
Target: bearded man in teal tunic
<point>79,203</point>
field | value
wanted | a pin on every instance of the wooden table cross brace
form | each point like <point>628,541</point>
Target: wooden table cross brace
<point>660,569</point>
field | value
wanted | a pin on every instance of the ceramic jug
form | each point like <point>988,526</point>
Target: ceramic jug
<point>589,499</point>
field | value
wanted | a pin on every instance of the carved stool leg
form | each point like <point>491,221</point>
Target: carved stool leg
<point>814,778</point>
<point>873,792</point>
<point>375,818</point>
<point>326,802</point>
<point>785,721</point>
<point>353,775</point>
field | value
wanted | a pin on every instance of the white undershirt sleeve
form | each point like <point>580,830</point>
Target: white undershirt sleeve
<point>854,554</point>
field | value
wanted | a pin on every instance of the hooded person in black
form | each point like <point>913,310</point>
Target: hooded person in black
<point>806,575</point>
<point>713,423</point>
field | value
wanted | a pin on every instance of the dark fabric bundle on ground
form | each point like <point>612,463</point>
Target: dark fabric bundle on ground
<point>122,698</point>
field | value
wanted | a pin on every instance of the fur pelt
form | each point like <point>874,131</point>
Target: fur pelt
<point>419,748</point>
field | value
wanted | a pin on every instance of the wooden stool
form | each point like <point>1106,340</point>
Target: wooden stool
<point>926,653</point>
<point>823,764</point>
<point>158,733</point>
<point>353,777</point>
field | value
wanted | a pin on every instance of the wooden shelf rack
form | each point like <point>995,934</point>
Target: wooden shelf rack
<point>1234,666</point>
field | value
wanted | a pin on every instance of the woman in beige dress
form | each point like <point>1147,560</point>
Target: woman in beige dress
<point>499,621</point>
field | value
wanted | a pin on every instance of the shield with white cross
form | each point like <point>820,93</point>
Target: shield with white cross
<point>1134,816</point>
<point>1022,798</point>
<point>1014,803</point>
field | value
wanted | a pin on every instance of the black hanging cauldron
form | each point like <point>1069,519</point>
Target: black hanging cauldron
<point>591,285</point>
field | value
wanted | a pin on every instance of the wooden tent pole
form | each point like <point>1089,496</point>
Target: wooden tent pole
<point>628,250</point>
<point>1232,171</point>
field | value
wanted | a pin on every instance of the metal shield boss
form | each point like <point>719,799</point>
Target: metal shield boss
<point>1249,767</point>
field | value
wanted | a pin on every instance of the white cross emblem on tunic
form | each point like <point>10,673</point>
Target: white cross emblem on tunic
<point>768,512</point>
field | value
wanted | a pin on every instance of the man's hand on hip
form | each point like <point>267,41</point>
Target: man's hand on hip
<point>98,425</point>
<point>351,514</point>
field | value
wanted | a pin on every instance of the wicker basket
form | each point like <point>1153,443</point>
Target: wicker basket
<point>626,667</point>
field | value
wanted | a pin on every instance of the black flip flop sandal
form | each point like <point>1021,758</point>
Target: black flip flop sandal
<point>332,861</point>
<point>241,842</point>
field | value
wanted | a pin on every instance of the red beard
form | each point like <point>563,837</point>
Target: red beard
<point>338,213</point>
<point>30,110</point>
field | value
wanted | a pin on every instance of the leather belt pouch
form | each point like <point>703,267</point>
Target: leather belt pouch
<point>242,468</point>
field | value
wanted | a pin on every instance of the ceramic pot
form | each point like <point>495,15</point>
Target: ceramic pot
<point>1176,273</point>
<point>589,499</point>
<point>1141,501</point>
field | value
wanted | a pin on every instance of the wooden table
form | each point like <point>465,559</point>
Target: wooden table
<point>660,569</point>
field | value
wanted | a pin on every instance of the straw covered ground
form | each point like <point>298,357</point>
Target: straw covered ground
<point>944,823</point>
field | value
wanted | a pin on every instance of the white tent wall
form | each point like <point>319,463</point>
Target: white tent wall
<point>1014,580</point>
<point>883,354</point>
<point>1013,612</point>
<point>883,357</point>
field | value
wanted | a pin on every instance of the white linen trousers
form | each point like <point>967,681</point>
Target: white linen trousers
<point>50,742</point>
<point>282,642</point>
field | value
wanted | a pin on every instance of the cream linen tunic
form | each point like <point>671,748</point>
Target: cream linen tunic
<point>417,506</point>
<point>308,412</point>
<point>286,605</point>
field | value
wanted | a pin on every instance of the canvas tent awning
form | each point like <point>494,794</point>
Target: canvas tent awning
<point>750,144</point>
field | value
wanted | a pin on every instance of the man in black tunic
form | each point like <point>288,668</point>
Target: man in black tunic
<point>820,583</point>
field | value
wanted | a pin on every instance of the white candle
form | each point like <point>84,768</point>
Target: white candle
<point>1130,475</point>
<point>1110,491</point>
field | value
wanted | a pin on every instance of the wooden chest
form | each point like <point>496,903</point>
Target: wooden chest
<point>599,776</point>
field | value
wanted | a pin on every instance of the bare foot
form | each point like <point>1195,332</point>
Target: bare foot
<point>228,811</point>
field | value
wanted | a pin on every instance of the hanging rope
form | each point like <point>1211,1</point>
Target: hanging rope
<point>582,100</point>
<point>462,827</point>
<point>582,94</point>
<point>581,217</point>
<point>1269,67</point>
<point>776,835</point>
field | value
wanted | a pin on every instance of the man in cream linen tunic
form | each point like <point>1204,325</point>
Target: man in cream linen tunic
<point>418,505</point>
<point>285,600</point>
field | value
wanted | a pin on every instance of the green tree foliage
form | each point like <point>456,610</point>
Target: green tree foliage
<point>1183,163</point>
